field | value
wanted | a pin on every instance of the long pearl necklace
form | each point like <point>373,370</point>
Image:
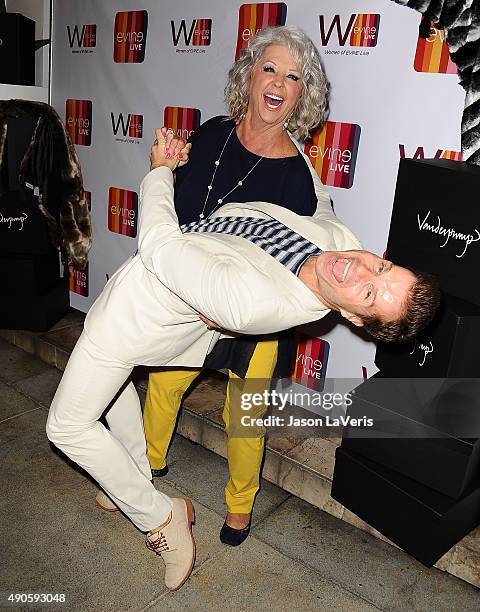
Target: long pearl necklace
<point>239,184</point>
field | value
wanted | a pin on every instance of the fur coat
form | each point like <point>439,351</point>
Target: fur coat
<point>51,164</point>
<point>461,21</point>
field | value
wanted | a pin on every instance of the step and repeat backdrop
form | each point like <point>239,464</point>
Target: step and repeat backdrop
<point>122,68</point>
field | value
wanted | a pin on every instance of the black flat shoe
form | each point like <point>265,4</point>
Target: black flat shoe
<point>233,537</point>
<point>161,472</point>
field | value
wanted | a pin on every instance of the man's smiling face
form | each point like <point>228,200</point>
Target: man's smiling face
<point>361,284</point>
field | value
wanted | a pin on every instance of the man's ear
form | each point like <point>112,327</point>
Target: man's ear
<point>353,318</point>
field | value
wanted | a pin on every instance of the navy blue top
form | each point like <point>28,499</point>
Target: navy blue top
<point>286,181</point>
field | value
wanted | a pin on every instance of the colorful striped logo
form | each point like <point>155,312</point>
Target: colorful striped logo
<point>454,155</point>
<point>78,280</point>
<point>130,37</point>
<point>90,35</point>
<point>199,34</point>
<point>440,154</point>
<point>183,121</point>
<point>311,362</point>
<point>255,17</point>
<point>432,54</point>
<point>360,31</point>
<point>333,150</point>
<point>365,30</point>
<point>78,120</point>
<point>202,32</point>
<point>122,211</point>
<point>135,129</point>
<point>86,37</point>
<point>87,197</point>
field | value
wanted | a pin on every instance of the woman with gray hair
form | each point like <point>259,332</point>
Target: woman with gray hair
<point>277,88</point>
<point>310,106</point>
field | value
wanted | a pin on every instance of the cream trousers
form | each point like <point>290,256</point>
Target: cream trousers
<point>116,457</point>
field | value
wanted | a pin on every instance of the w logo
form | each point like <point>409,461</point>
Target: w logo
<point>86,37</point>
<point>198,35</point>
<point>361,30</point>
<point>131,125</point>
<point>440,154</point>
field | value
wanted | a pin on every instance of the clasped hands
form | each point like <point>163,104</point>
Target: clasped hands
<point>168,150</point>
<point>171,151</point>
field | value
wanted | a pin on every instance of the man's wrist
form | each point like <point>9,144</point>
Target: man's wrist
<point>162,170</point>
<point>161,166</point>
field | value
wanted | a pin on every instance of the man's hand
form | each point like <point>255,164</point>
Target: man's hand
<point>210,324</point>
<point>168,150</point>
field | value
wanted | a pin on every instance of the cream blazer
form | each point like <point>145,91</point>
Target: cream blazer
<point>147,313</point>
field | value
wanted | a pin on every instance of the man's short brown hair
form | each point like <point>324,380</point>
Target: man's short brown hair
<point>420,306</point>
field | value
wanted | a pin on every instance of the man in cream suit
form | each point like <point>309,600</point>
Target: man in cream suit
<point>148,314</point>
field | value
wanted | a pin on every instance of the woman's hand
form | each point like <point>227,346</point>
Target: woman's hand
<point>183,155</point>
<point>168,150</point>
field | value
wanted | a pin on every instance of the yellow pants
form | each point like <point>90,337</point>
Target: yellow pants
<point>164,396</point>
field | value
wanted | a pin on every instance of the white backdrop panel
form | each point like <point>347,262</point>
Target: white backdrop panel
<point>380,91</point>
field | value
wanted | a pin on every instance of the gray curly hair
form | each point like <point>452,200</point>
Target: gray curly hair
<point>312,105</point>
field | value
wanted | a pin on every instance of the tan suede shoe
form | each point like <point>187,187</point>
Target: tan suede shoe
<point>174,542</point>
<point>104,502</point>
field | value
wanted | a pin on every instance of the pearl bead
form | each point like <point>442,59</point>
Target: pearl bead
<point>240,183</point>
<point>217,163</point>
<point>220,201</point>
<point>201,215</point>
<point>209,187</point>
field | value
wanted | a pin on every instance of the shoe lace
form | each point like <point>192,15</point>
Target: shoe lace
<point>159,544</point>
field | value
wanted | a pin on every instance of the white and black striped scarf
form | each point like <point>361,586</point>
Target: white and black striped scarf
<point>275,238</point>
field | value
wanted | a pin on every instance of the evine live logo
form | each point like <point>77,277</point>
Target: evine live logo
<point>191,37</point>
<point>78,121</point>
<point>130,37</point>
<point>78,280</point>
<point>182,120</point>
<point>358,30</point>
<point>127,128</point>
<point>311,362</point>
<point>122,211</point>
<point>333,152</point>
<point>82,39</point>
<point>255,17</point>
<point>432,53</point>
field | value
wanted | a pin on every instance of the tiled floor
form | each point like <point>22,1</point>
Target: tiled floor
<point>302,467</point>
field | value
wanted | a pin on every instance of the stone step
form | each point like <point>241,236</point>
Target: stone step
<point>301,466</point>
